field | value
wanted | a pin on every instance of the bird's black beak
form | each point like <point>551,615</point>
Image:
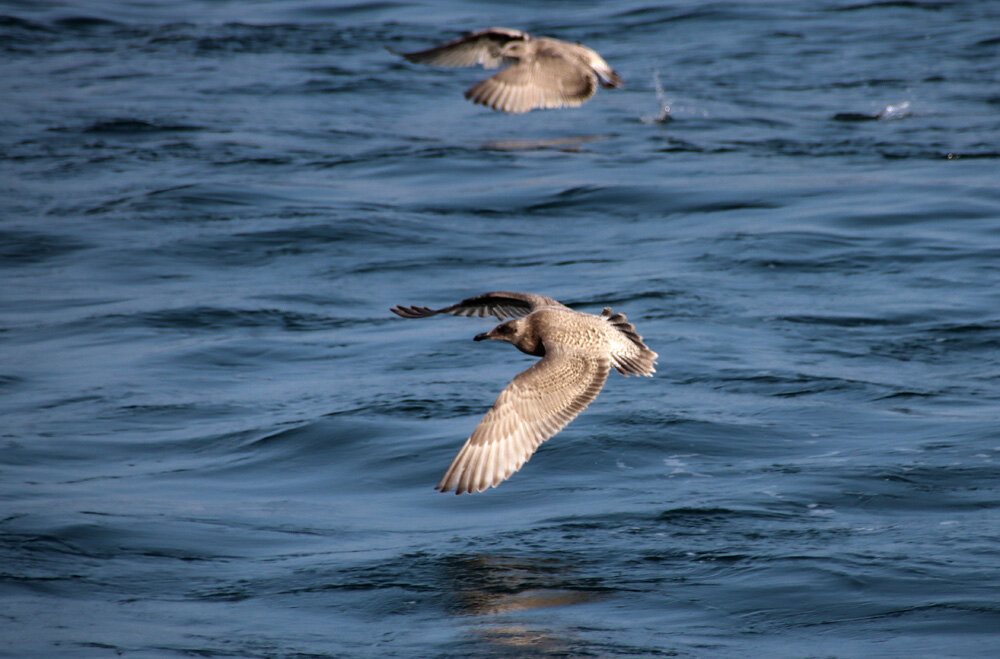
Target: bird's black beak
<point>481,337</point>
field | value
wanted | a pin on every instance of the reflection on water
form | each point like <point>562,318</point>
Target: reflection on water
<point>486,585</point>
<point>517,636</point>
<point>495,604</point>
<point>562,143</point>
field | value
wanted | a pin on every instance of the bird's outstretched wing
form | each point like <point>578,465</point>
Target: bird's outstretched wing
<point>536,405</point>
<point>502,304</point>
<point>482,47</point>
<point>547,80</point>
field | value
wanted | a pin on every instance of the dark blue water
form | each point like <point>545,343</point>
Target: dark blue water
<point>217,441</point>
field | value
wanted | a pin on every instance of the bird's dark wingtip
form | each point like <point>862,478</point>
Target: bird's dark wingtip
<point>412,312</point>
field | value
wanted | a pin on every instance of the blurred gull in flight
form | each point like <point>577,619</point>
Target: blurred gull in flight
<point>543,72</point>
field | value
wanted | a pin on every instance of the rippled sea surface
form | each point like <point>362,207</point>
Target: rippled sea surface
<point>216,441</point>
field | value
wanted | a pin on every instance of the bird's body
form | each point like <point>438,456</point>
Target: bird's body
<point>543,72</point>
<point>578,351</point>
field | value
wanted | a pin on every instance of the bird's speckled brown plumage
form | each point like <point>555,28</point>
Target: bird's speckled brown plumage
<point>578,351</point>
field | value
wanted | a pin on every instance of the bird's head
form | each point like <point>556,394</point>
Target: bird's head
<point>519,332</point>
<point>507,331</point>
<point>516,49</point>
